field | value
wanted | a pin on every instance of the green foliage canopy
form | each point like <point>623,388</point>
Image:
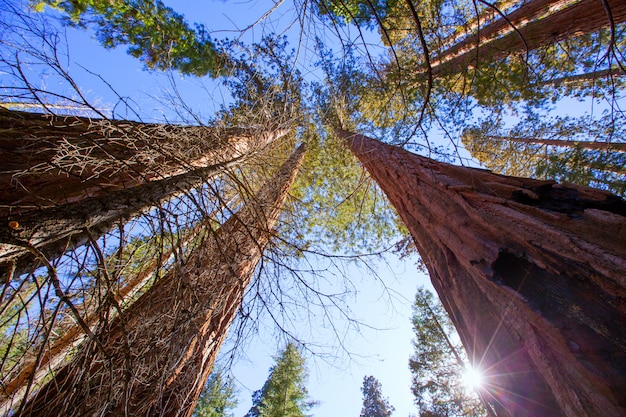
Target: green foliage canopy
<point>154,33</point>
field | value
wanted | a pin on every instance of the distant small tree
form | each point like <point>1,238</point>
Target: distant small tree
<point>218,398</point>
<point>284,393</point>
<point>438,363</point>
<point>374,405</point>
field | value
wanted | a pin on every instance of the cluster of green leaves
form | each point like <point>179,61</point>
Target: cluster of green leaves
<point>341,206</point>
<point>154,33</point>
<point>265,85</point>
<point>438,363</point>
<point>218,397</point>
<point>284,394</point>
<point>374,404</point>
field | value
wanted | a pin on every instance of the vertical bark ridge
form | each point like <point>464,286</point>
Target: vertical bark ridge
<point>160,352</point>
<point>532,273</point>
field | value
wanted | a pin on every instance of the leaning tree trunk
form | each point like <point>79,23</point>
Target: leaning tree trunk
<point>26,239</point>
<point>157,356</point>
<point>54,352</point>
<point>500,39</point>
<point>601,146</point>
<point>532,273</point>
<point>50,160</point>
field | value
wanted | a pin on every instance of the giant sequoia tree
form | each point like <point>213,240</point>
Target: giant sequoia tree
<point>531,273</point>
<point>154,358</point>
<point>88,174</point>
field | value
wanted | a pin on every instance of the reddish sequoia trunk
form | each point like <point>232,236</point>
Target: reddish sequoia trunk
<point>50,160</point>
<point>54,229</point>
<point>159,354</point>
<point>56,351</point>
<point>478,23</point>
<point>601,146</point>
<point>498,39</point>
<point>533,275</point>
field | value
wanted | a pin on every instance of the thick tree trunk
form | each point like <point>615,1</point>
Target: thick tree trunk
<point>52,231</point>
<point>532,273</point>
<point>57,350</point>
<point>159,353</point>
<point>600,146</point>
<point>476,24</point>
<point>50,160</point>
<point>499,39</point>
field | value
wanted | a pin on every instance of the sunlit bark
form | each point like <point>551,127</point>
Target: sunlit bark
<point>51,160</point>
<point>532,273</point>
<point>601,146</point>
<point>526,31</point>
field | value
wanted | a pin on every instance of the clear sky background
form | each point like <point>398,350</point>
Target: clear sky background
<point>381,350</point>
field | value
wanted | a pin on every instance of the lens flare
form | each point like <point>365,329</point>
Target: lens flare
<point>472,378</point>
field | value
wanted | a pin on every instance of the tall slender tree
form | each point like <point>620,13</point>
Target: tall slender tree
<point>155,358</point>
<point>374,404</point>
<point>284,394</point>
<point>217,398</point>
<point>531,273</point>
<point>28,239</point>
<point>439,363</point>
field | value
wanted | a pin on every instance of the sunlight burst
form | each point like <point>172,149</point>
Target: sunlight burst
<point>472,378</point>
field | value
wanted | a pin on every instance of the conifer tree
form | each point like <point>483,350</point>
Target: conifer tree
<point>374,404</point>
<point>218,397</point>
<point>284,394</point>
<point>438,363</point>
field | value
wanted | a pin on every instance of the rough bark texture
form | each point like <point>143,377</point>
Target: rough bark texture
<point>50,160</point>
<point>532,273</point>
<point>499,39</point>
<point>54,229</point>
<point>57,350</point>
<point>159,354</point>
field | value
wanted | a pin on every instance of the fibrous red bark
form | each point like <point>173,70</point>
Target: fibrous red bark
<point>53,230</point>
<point>524,31</point>
<point>158,354</point>
<point>532,273</point>
<point>50,160</point>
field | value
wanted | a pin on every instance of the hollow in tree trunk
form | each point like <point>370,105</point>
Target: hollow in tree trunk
<point>532,273</point>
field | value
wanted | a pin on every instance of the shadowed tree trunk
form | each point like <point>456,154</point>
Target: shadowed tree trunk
<point>157,356</point>
<point>532,273</point>
<point>56,351</point>
<point>499,39</point>
<point>50,160</point>
<point>600,146</point>
<point>50,232</point>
